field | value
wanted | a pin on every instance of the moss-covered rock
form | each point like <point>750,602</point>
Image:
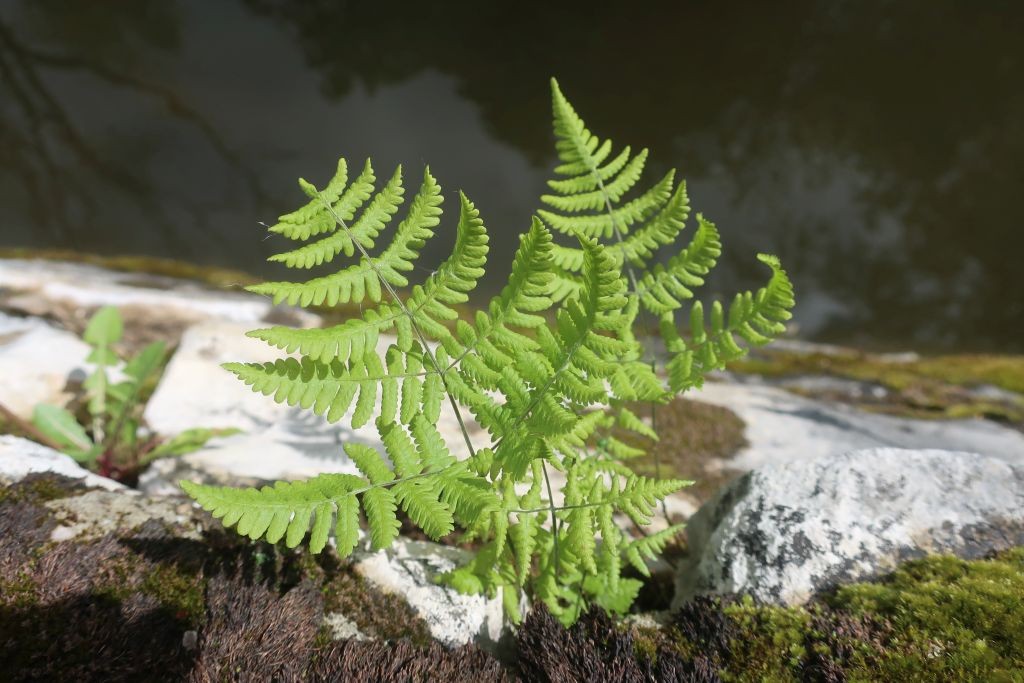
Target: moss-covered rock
<point>945,387</point>
<point>934,619</point>
<point>939,618</point>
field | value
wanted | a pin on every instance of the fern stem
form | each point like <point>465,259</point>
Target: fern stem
<point>636,291</point>
<point>554,517</point>
<point>412,321</point>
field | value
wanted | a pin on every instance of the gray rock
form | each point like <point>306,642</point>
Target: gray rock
<point>343,628</point>
<point>95,514</point>
<point>21,457</point>
<point>410,568</point>
<point>787,531</point>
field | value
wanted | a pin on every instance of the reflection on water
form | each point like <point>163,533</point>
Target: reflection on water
<point>877,147</point>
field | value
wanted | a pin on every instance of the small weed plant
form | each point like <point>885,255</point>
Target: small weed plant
<point>110,438</point>
<point>547,368</point>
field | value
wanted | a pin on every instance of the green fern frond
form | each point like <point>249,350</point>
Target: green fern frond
<point>363,279</point>
<point>663,288</point>
<point>649,547</point>
<point>753,318</point>
<point>286,509</point>
<point>330,388</point>
<point>639,496</point>
<point>363,231</point>
<point>550,391</point>
<point>315,218</point>
<point>618,219</point>
<point>429,303</point>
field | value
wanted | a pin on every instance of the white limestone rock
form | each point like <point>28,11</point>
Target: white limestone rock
<point>787,531</point>
<point>278,441</point>
<point>21,457</point>
<point>781,427</point>
<point>37,361</point>
<point>39,284</point>
<point>409,569</point>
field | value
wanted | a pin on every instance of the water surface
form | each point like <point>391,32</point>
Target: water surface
<point>877,147</point>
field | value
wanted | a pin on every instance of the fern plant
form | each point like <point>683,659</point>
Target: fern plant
<point>535,367</point>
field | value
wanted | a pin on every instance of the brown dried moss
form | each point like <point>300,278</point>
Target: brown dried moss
<point>595,649</point>
<point>151,605</point>
<point>351,660</point>
<point>693,437</point>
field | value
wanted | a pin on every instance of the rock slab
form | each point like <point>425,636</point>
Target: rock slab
<point>20,457</point>
<point>783,533</point>
<point>782,427</point>
<point>277,441</point>
<point>410,568</point>
<point>37,362</point>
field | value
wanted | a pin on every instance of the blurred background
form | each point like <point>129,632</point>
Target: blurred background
<point>876,147</point>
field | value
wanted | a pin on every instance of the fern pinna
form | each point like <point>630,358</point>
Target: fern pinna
<point>535,368</point>
<point>591,196</point>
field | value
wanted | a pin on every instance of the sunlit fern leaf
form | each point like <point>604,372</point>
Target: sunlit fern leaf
<point>351,338</point>
<point>363,279</point>
<point>629,420</point>
<point>664,287</point>
<point>579,522</point>
<point>620,219</point>
<point>639,495</point>
<point>330,388</point>
<point>589,200</point>
<point>382,517</point>
<point>649,547</point>
<point>430,304</point>
<point>638,247</point>
<point>283,510</point>
<point>369,462</point>
<point>315,217</point>
<point>419,498</point>
<point>753,318</point>
<point>362,231</point>
<point>523,534</point>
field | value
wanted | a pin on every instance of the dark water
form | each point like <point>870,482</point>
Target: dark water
<point>877,147</point>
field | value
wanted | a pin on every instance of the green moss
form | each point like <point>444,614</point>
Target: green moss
<point>953,619</point>
<point>772,644</point>
<point>179,591</point>
<point>938,618</point>
<point>377,613</point>
<point>937,386</point>
<point>40,488</point>
<point>19,592</point>
<point>646,642</point>
<point>1006,372</point>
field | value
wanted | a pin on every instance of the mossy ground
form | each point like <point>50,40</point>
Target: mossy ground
<point>119,607</point>
<point>258,609</point>
<point>935,619</point>
<point>945,387</point>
